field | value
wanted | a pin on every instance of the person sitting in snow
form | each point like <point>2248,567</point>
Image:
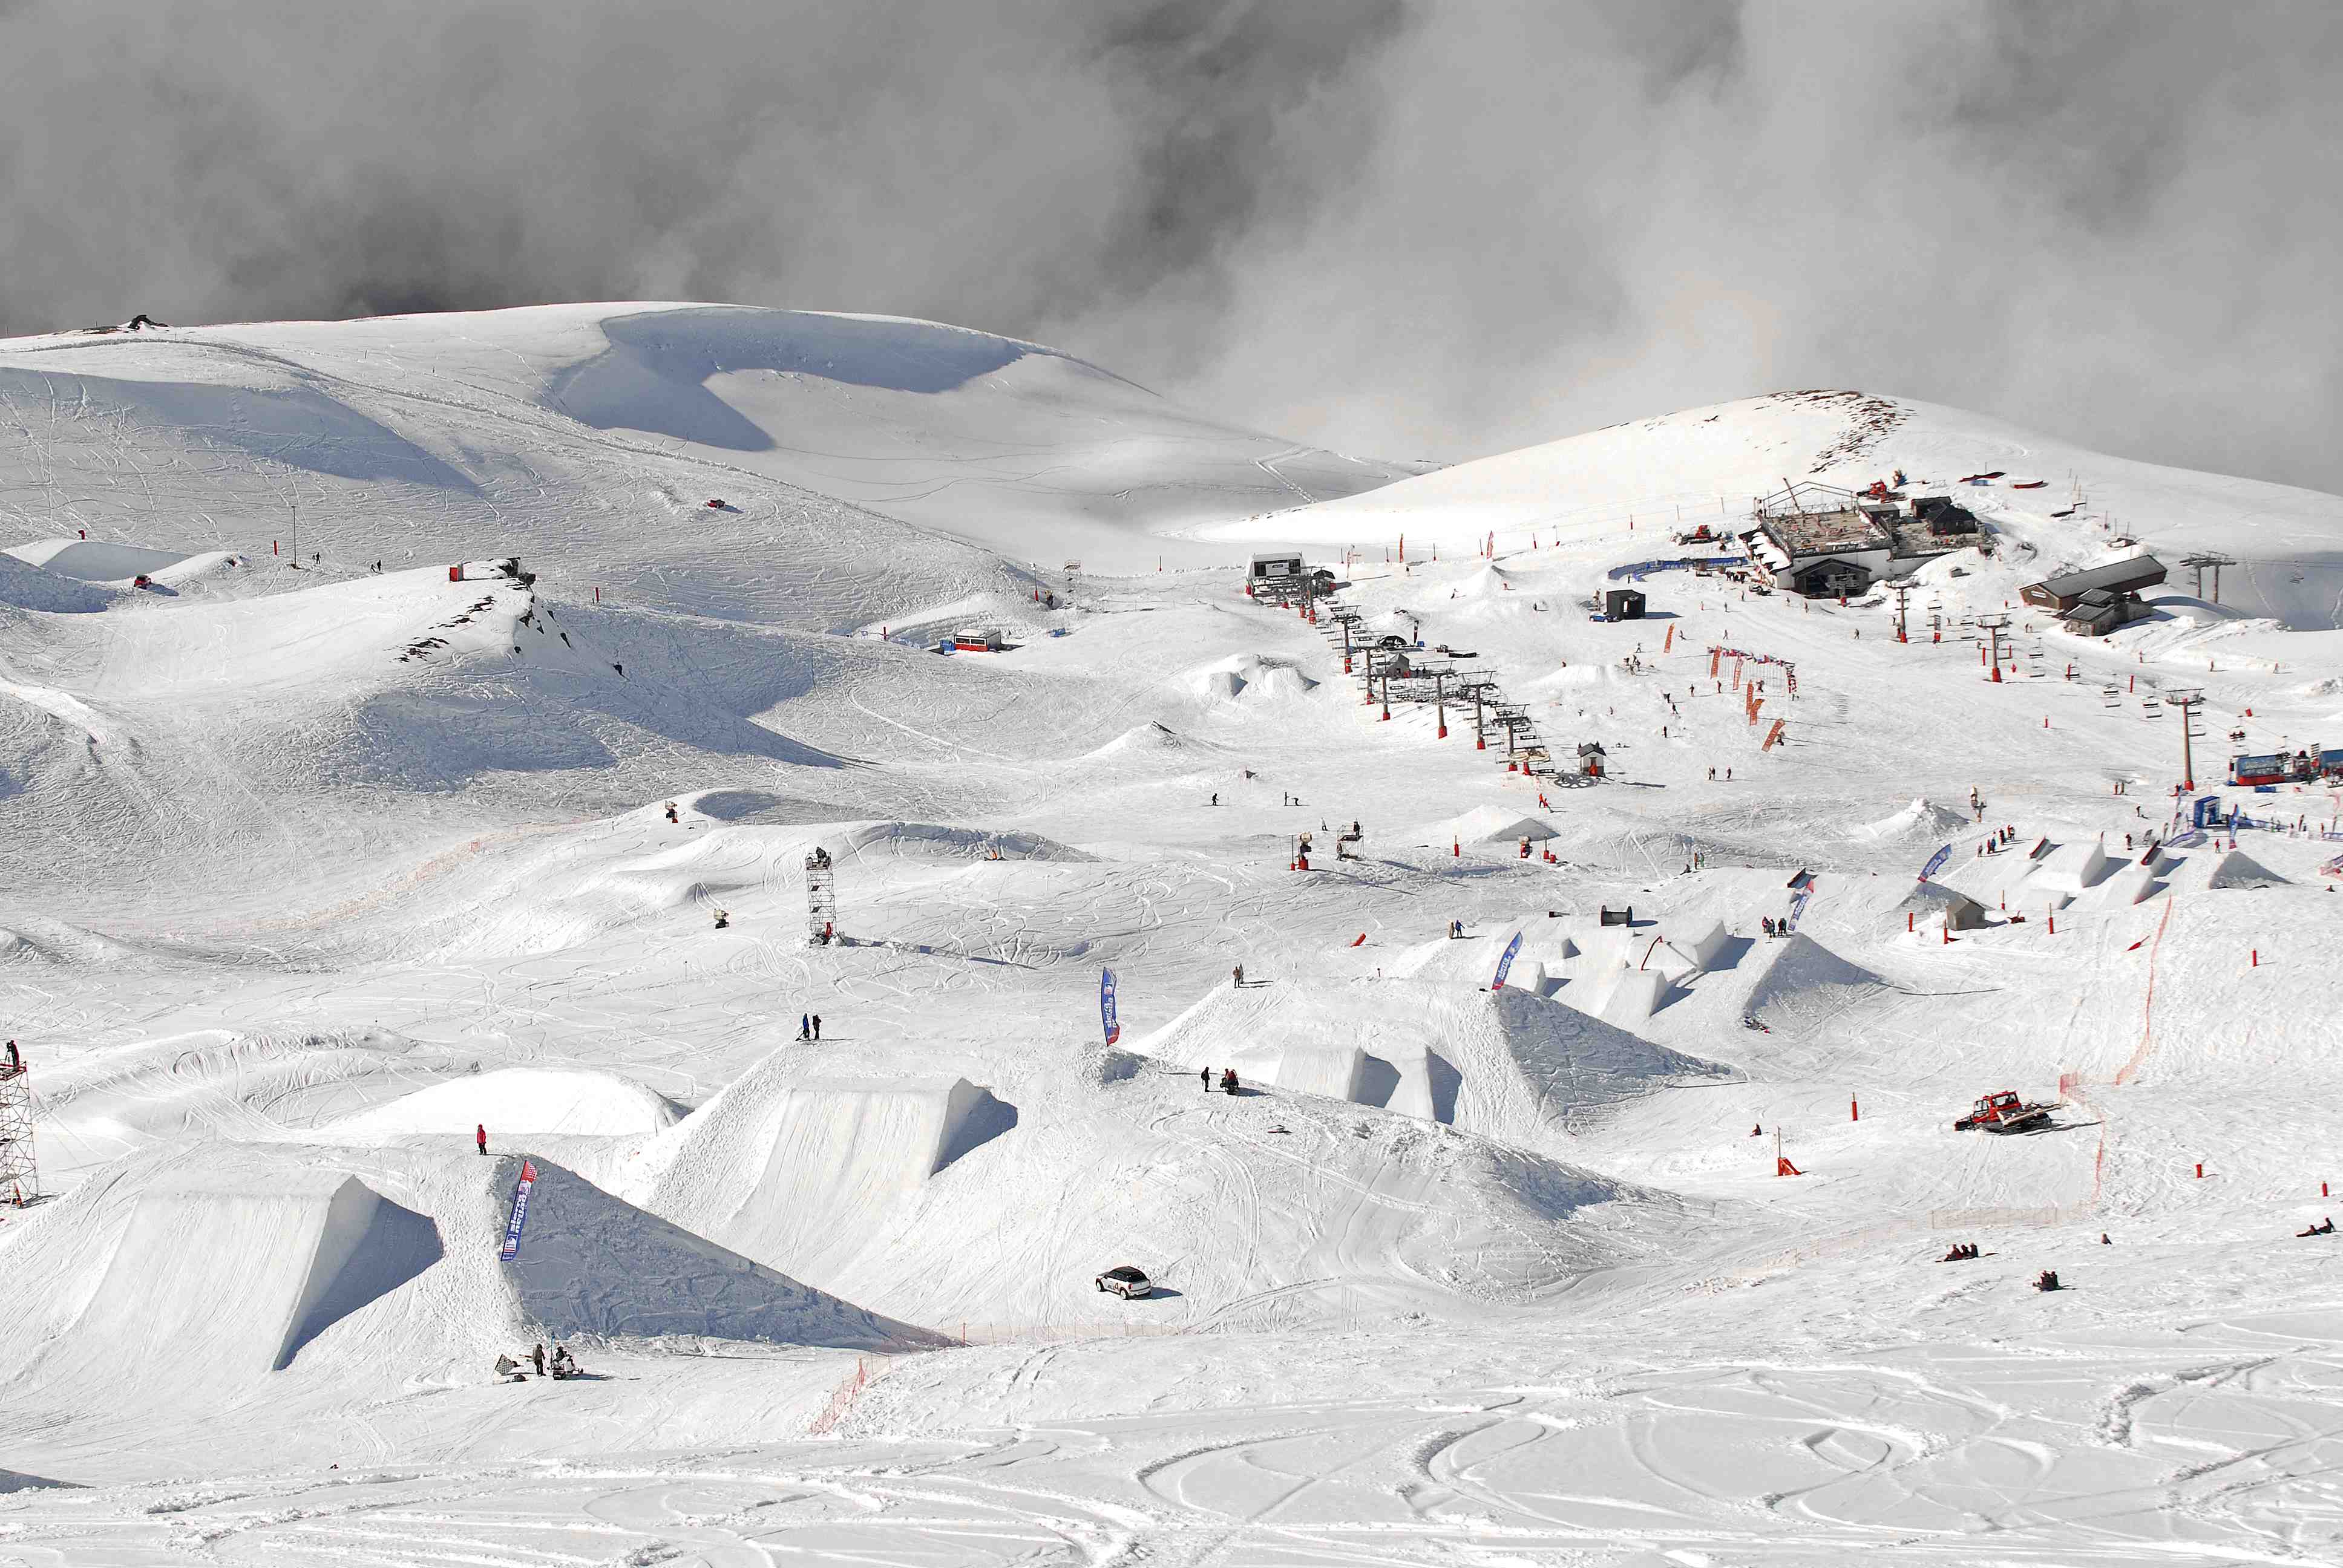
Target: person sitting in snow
<point>1228,1080</point>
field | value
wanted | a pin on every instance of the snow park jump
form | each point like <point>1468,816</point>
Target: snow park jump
<point>1122,1094</point>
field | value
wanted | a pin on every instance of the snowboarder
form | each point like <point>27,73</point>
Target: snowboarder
<point>1228,1080</point>
<point>480,1136</point>
<point>1216,797</point>
<point>538,1355</point>
<point>817,1025</point>
<point>670,811</point>
<point>1455,930</point>
<point>1765,924</point>
<point>1758,1130</point>
<point>2327,1229</point>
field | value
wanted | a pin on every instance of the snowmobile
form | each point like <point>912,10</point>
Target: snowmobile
<point>2003,1111</point>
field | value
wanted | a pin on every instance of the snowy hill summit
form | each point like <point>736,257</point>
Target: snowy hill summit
<point>806,862</point>
<point>2064,504</point>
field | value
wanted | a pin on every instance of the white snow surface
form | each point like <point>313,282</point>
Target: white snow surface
<point>305,873</point>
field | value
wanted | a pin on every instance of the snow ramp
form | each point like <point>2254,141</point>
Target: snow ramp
<point>1807,983</point>
<point>801,1175</point>
<point>592,1265</point>
<point>221,1274</point>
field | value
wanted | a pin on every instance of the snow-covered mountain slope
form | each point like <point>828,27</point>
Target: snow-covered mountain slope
<point>306,876</point>
<point>1705,465</point>
<point>589,439</point>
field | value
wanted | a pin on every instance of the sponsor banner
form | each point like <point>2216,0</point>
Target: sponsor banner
<point>511,1248</point>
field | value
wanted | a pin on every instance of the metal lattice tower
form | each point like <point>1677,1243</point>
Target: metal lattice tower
<point>821,897</point>
<point>20,1178</point>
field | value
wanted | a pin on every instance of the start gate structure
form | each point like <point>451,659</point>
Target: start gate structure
<point>821,897</point>
<point>20,1178</point>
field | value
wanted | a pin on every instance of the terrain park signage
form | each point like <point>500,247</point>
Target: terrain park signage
<point>1107,1020</point>
<point>511,1248</point>
<point>1935,863</point>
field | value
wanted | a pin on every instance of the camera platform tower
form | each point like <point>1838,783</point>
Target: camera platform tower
<point>20,1178</point>
<point>821,899</point>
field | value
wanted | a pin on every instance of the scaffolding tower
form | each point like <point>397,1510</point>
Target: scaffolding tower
<point>20,1178</point>
<point>821,897</point>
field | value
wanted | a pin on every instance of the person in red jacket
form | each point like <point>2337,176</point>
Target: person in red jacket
<point>480,1136</point>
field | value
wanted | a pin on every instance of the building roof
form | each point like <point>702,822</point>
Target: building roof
<point>2134,572</point>
<point>1826,533</point>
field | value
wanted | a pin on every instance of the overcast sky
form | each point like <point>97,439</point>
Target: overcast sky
<point>1396,228</point>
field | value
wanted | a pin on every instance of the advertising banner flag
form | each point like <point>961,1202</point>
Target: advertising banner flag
<point>1107,1020</point>
<point>1505,964</point>
<point>511,1248</point>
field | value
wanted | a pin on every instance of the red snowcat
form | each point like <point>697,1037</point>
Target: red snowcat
<point>2003,1111</point>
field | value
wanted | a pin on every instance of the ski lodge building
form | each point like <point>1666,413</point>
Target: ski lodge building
<point>1822,541</point>
<point>2094,603</point>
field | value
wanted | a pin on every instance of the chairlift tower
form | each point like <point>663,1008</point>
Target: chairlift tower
<point>821,899</point>
<point>20,1177</point>
<point>2187,701</point>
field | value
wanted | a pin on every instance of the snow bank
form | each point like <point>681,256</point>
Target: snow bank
<point>515,1102</point>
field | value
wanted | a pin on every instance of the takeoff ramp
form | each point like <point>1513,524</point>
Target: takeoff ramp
<point>219,1276</point>
<point>802,1174</point>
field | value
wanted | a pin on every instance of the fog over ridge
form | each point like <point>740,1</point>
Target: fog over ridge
<point>1393,228</point>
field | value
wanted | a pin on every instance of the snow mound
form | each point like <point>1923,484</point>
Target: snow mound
<point>515,1102</point>
<point>1488,825</point>
<point>1920,820</point>
<point>1141,740</point>
<point>131,1095</point>
<point>2235,868</point>
<point>1806,983</point>
<point>1249,674</point>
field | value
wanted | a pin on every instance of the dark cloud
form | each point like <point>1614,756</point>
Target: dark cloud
<point>1411,229</point>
